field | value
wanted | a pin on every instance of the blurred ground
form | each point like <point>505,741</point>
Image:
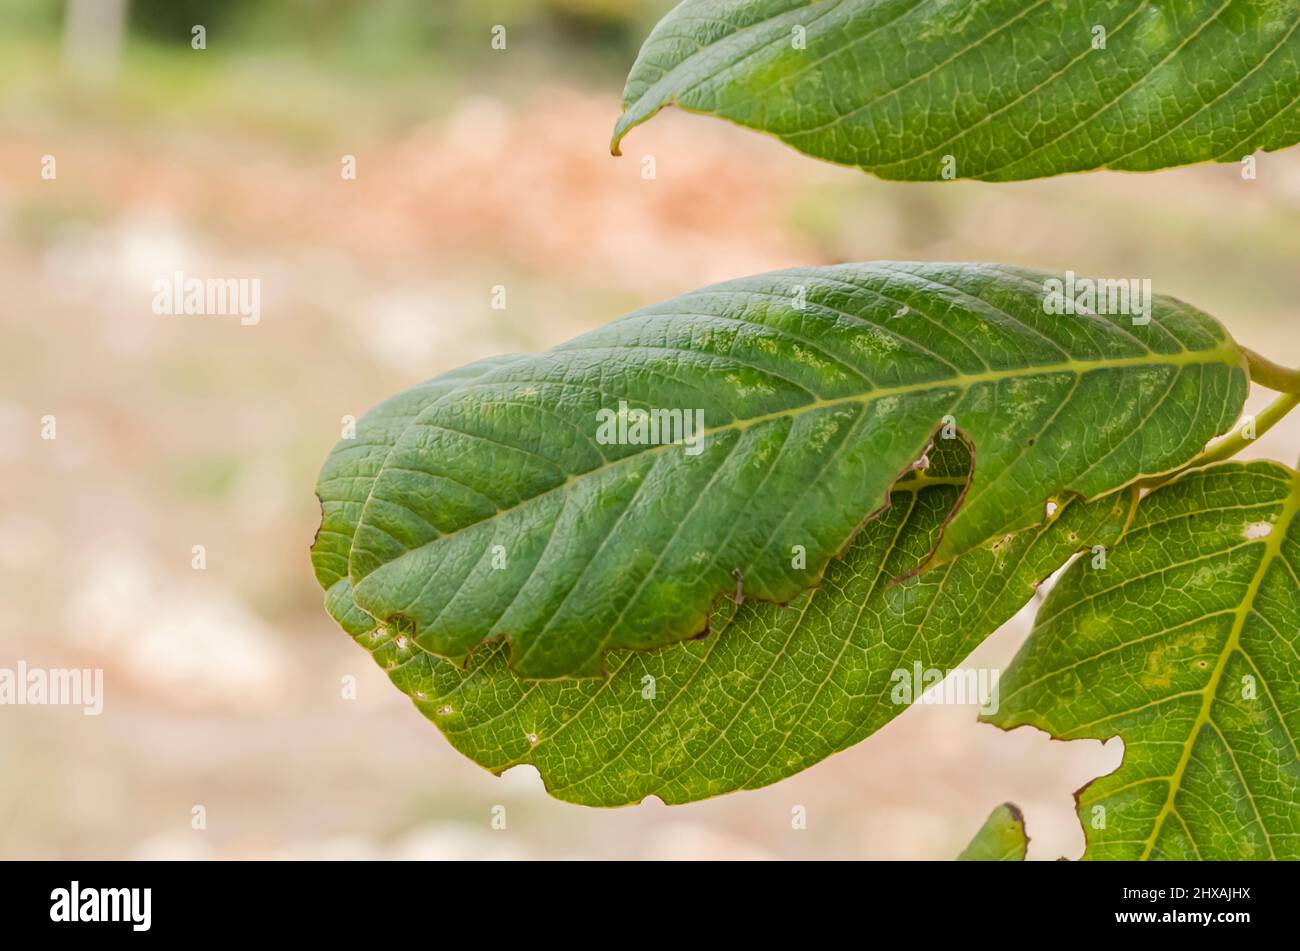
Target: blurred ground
<point>476,168</point>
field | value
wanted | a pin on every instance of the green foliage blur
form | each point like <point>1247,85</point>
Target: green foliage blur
<point>365,34</point>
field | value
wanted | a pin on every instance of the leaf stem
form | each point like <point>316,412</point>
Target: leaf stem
<point>1271,375</point>
<point>1266,420</point>
<point>1232,444</point>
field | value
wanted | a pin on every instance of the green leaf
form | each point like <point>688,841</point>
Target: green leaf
<point>773,689</point>
<point>1001,839</point>
<point>1187,646</point>
<point>350,469</point>
<point>500,512</point>
<point>1009,89</point>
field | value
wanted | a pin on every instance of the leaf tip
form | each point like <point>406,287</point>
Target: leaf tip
<point>621,128</point>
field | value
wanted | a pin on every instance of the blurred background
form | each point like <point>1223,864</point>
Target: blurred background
<point>475,167</point>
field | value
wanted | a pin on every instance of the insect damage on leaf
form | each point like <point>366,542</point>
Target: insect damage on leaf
<point>773,689</point>
<point>1186,644</point>
<point>540,501</point>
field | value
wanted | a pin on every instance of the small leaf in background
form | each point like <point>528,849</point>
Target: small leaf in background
<point>997,90</point>
<point>520,505</point>
<point>1186,646</point>
<point>1002,838</point>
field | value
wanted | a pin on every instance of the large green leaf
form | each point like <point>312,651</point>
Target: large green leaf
<point>1009,89</point>
<point>499,512</point>
<point>1002,838</point>
<point>772,689</point>
<point>1186,645</point>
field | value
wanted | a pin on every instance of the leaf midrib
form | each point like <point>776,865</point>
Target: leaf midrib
<point>1272,549</point>
<point>1225,353</point>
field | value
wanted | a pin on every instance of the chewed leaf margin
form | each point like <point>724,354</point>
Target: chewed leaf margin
<point>1185,644</point>
<point>783,686</point>
<point>829,382</point>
